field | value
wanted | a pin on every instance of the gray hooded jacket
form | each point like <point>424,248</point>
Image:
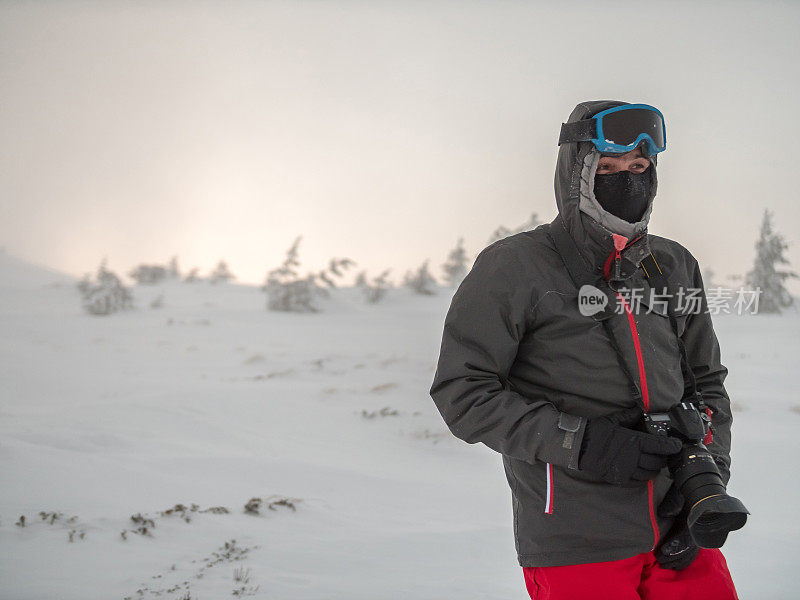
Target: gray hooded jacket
<point>521,369</point>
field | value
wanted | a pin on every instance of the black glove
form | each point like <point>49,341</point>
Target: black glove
<point>672,504</point>
<point>677,549</point>
<point>620,455</point>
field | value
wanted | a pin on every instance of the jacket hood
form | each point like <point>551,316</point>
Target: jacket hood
<point>592,227</point>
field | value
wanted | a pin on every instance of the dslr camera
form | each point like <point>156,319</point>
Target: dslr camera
<point>711,514</point>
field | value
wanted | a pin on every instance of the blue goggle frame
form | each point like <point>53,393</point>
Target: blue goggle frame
<point>607,140</point>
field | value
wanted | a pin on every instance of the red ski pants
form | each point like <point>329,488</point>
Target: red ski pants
<point>636,578</point>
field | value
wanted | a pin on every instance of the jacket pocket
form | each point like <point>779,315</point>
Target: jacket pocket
<point>559,512</point>
<point>651,302</point>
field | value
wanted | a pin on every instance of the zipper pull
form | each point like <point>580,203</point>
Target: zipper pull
<point>620,241</point>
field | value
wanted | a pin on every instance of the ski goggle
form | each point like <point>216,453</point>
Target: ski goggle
<point>620,129</point>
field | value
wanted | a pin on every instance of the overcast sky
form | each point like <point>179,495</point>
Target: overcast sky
<point>380,131</point>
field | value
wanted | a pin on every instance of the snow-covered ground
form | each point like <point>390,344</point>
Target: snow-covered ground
<point>213,401</point>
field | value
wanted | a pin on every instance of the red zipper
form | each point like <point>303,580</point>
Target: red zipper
<point>637,346</point>
<point>646,401</point>
<point>620,243</point>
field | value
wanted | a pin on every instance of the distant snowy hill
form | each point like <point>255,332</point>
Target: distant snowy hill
<point>17,274</point>
<point>29,289</point>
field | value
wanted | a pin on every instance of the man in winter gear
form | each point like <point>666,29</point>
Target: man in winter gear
<point>524,371</point>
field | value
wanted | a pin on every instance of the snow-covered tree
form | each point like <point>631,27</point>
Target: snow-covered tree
<point>375,289</point>
<point>420,281</point>
<point>293,296</point>
<point>286,290</point>
<point>148,274</point>
<point>765,273</point>
<point>174,271</point>
<point>221,273</point>
<point>502,232</point>
<point>456,266</point>
<point>361,279</point>
<point>336,268</point>
<point>193,276</point>
<point>106,295</point>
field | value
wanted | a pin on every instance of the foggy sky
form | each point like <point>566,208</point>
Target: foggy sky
<point>377,131</point>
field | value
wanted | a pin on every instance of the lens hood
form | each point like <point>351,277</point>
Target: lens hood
<point>711,519</point>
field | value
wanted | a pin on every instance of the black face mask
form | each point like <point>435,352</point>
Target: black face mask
<point>624,194</point>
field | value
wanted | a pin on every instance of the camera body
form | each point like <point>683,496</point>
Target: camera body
<point>685,421</point>
<point>710,512</point>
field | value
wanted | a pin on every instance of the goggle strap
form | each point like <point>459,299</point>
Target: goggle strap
<point>578,131</point>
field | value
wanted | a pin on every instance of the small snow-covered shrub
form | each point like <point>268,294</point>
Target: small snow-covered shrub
<point>420,281</point>
<point>221,273</point>
<point>386,411</point>
<point>288,291</point>
<point>502,232</point>
<point>174,270</point>
<point>361,279</point>
<point>456,266</point>
<point>375,289</point>
<point>106,295</point>
<point>193,276</point>
<point>149,274</point>
<point>254,505</point>
<point>335,268</point>
<point>296,295</point>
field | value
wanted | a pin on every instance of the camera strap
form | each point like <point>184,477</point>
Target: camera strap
<point>659,281</point>
<point>581,275</point>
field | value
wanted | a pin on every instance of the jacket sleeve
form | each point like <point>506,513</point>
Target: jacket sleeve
<point>488,316</point>
<point>703,353</point>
